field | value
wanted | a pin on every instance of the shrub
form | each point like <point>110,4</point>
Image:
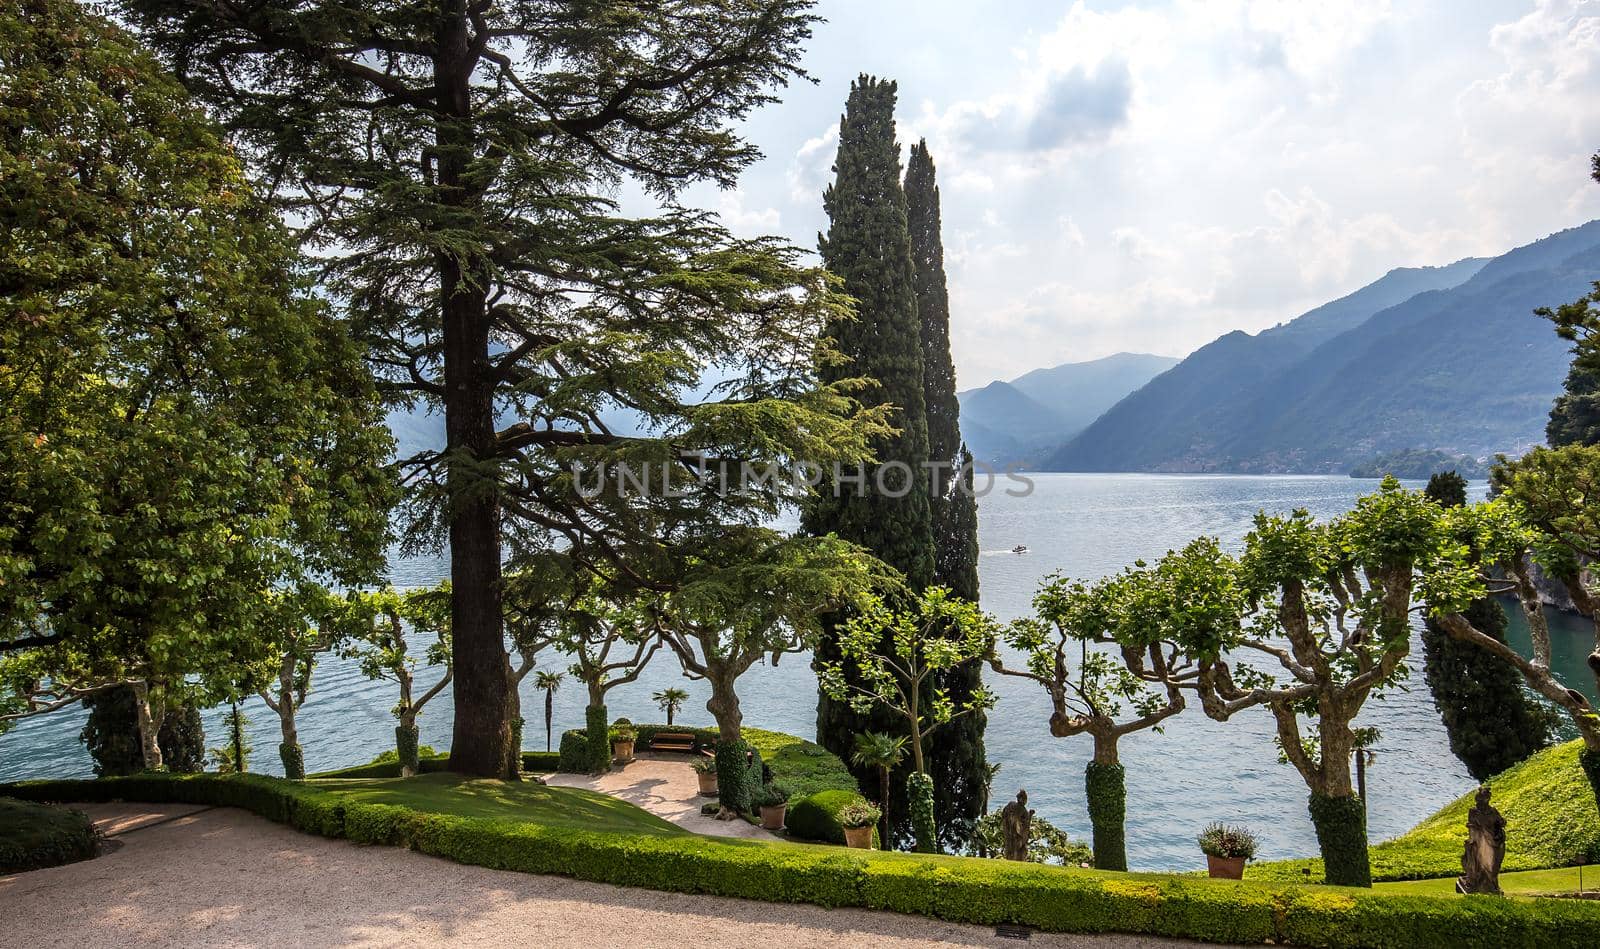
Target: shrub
<point>1223,840</point>
<point>573,756</point>
<point>816,816</point>
<point>735,762</point>
<point>772,795</point>
<point>293,758</point>
<point>33,836</point>
<point>704,765</point>
<point>919,798</point>
<point>957,889</point>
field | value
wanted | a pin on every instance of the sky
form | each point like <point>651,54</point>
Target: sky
<point>1144,177</point>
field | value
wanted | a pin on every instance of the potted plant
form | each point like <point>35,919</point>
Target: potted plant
<point>622,739</point>
<point>858,818</point>
<point>1227,848</point>
<point>705,770</point>
<point>773,803</point>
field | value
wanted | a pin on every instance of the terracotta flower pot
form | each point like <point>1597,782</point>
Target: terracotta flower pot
<point>708,783</point>
<point>1225,868</point>
<point>622,749</point>
<point>858,837</point>
<point>772,816</point>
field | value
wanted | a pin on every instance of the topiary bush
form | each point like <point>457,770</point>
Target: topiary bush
<point>736,789</point>
<point>1105,786</point>
<point>33,836</point>
<point>919,797</point>
<point>816,816</point>
<point>573,754</point>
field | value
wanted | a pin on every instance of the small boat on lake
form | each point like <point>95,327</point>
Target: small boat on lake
<point>1020,549</point>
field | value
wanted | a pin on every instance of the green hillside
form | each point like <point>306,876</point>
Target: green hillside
<point>1551,821</point>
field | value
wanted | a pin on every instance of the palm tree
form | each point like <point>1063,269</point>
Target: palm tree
<point>670,701</point>
<point>877,750</point>
<point>549,682</point>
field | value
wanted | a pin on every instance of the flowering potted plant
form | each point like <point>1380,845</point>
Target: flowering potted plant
<point>773,802</point>
<point>705,770</point>
<point>622,739</point>
<point>858,818</point>
<point>1227,848</point>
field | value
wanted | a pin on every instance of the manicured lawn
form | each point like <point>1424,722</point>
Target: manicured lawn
<point>516,800</point>
<point>1551,821</point>
<point>1526,883</point>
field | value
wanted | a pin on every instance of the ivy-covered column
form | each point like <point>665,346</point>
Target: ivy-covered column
<point>1591,767</point>
<point>1341,824</point>
<point>733,775</point>
<point>405,746</point>
<point>597,738</point>
<point>1105,786</point>
<point>919,798</point>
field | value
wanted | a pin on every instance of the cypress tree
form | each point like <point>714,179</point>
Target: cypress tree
<point>956,758</point>
<point>868,247</point>
<point>1490,718</point>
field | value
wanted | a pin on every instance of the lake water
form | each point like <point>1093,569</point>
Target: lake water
<point>1196,771</point>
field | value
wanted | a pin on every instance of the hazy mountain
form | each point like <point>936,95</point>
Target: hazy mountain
<point>1447,358</point>
<point>1024,419</point>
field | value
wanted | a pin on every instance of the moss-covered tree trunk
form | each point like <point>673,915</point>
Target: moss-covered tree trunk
<point>1341,824</point>
<point>919,797</point>
<point>405,745</point>
<point>1106,791</point>
<point>597,739</point>
<point>1591,767</point>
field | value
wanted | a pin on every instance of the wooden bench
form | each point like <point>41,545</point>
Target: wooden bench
<point>673,741</point>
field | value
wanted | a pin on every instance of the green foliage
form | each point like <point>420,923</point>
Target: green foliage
<point>233,757</point>
<point>816,816</point>
<point>1225,840</point>
<point>1492,720</point>
<point>670,700</point>
<point>574,755</point>
<point>738,775</point>
<point>33,836</point>
<point>1105,791</point>
<point>467,822</point>
<point>483,243</point>
<point>167,371</point>
<point>772,795</point>
<point>294,760</point>
<point>1447,488</point>
<point>111,735</point>
<point>1341,824</point>
<point>1575,416</point>
<point>182,739</point>
<point>919,798</point>
<point>957,761</point>
<point>597,755</point>
<point>857,814</point>
<point>868,246</point>
<point>1415,463</point>
<point>1047,843</point>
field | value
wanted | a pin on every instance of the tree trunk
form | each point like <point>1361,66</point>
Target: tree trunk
<point>289,749</point>
<point>883,805</point>
<point>149,747</point>
<point>724,707</point>
<point>481,740</point>
<point>669,714</point>
<point>405,745</point>
<point>1105,788</point>
<point>549,711</point>
<point>1342,837</point>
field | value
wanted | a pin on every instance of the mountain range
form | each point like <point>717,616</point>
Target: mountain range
<point>1433,358</point>
<point>1022,420</point>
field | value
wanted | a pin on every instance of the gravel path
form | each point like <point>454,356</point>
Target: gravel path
<point>223,877</point>
<point>665,786</point>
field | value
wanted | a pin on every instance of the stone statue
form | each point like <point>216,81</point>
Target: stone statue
<point>1016,827</point>
<point>1486,848</point>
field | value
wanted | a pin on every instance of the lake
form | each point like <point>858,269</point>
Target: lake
<point>1087,526</point>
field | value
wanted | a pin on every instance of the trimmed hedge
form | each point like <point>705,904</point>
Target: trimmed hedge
<point>959,889</point>
<point>539,762</point>
<point>1106,790</point>
<point>33,836</point>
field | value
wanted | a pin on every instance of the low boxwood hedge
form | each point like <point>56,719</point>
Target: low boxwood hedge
<point>33,836</point>
<point>536,762</point>
<point>959,889</point>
